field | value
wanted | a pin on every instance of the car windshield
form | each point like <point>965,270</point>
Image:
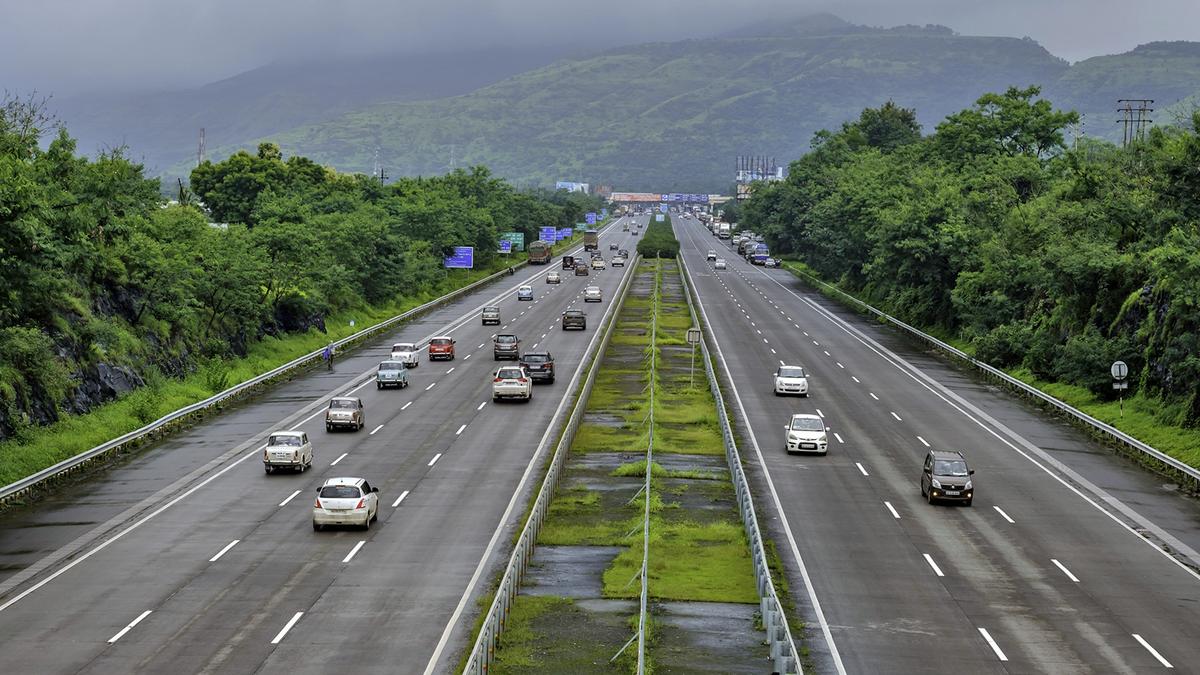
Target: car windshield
<point>340,492</point>
<point>506,339</point>
<point>807,424</point>
<point>292,441</point>
<point>346,404</point>
<point>791,372</point>
<point>509,373</point>
<point>526,289</point>
<point>950,467</point>
<point>403,347</point>
<point>534,358</point>
<point>491,310</point>
<point>441,342</point>
<point>574,314</point>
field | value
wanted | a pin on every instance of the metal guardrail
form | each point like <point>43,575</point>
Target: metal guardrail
<point>1167,463</point>
<point>784,657</point>
<point>29,483</point>
<point>483,651</point>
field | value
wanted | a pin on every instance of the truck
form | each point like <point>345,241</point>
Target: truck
<point>723,233</point>
<point>539,253</point>
<point>591,240</point>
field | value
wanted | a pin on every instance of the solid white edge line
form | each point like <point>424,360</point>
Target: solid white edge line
<point>289,498</point>
<point>399,499</point>
<point>992,643</point>
<point>861,468</point>
<point>1153,651</point>
<point>334,462</point>
<point>375,430</point>
<point>353,551</point>
<point>138,620</point>
<point>228,546</point>
<point>1065,571</point>
<point>812,595</point>
<point>286,627</point>
<point>435,459</point>
<point>1004,515</point>
<point>936,570</point>
<point>892,509</point>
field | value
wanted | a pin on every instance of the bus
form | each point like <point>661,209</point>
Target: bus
<point>539,253</point>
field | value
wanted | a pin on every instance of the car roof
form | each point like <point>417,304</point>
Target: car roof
<point>441,337</point>
<point>573,311</point>
<point>343,480</point>
<point>387,361</point>
<point>946,454</point>
<point>490,307</point>
<point>345,398</point>
<point>790,365</point>
<point>407,345</point>
<point>525,286</point>
<point>805,416</point>
<point>287,433</point>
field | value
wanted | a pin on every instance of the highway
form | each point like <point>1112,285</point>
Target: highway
<point>189,558</point>
<point>1070,560</point>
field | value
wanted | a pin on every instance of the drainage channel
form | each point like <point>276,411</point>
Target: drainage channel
<point>578,606</point>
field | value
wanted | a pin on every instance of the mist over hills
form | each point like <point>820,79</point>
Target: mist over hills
<point>662,116</point>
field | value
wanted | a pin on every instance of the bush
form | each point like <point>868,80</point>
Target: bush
<point>1004,346</point>
<point>659,240</point>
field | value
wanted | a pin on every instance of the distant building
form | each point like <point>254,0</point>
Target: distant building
<point>571,187</point>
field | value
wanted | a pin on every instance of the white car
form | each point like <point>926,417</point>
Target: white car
<point>617,261</point>
<point>288,450</point>
<point>791,380</point>
<point>511,382</point>
<point>597,263</point>
<point>712,255</point>
<point>553,278</point>
<point>346,501</point>
<point>807,433</point>
<point>406,353</point>
<point>593,294</point>
<point>719,264</point>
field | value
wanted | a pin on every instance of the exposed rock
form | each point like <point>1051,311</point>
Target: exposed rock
<point>100,384</point>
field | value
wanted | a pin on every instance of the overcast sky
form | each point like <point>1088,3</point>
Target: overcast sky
<point>65,46</point>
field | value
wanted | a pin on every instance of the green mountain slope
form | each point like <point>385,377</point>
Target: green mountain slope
<point>675,115</point>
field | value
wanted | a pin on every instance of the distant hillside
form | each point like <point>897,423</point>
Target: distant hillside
<point>675,115</point>
<point>161,128</point>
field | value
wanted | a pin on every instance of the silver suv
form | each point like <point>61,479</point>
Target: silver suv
<point>946,477</point>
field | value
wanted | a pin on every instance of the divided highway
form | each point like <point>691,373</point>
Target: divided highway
<point>191,559</point>
<point>1044,573</point>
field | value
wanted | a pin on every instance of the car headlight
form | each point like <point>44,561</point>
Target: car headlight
<point>793,437</point>
<point>936,483</point>
<point>968,487</point>
<point>823,439</point>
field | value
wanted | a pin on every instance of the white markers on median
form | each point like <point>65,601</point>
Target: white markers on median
<point>862,468</point>
<point>375,430</point>
<point>138,620</point>
<point>435,459</point>
<point>992,643</point>
<point>228,546</point>
<point>1065,571</point>
<point>1152,650</point>
<point>892,509</point>
<point>353,551</point>
<point>286,627</point>
<point>334,462</point>
<point>399,499</point>
<point>289,498</point>
<point>936,570</point>
<point>1004,515</point>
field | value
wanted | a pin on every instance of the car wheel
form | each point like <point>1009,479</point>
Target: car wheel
<point>375,516</point>
<point>316,526</point>
<point>367,523</point>
<point>379,385</point>
<point>495,398</point>
<point>328,427</point>
<point>929,496</point>
<point>551,380</point>
<point>267,468</point>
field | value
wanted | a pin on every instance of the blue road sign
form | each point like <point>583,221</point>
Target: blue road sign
<point>591,218</point>
<point>462,258</point>
<point>505,246</point>
<point>548,234</point>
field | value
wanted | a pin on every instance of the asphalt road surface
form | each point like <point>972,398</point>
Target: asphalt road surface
<point>190,558</point>
<point>1071,560</point>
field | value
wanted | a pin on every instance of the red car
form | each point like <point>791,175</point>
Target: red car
<point>441,347</point>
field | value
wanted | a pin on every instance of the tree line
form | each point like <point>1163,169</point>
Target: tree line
<point>1051,255</point>
<point>99,272</point>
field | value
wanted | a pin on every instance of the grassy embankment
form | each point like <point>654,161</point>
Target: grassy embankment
<point>697,552</point>
<point>43,447</point>
<point>1138,418</point>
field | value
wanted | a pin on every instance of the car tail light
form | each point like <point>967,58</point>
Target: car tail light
<point>522,380</point>
<point>361,503</point>
<point>317,505</point>
<point>498,379</point>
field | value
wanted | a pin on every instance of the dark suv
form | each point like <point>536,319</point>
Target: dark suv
<point>574,319</point>
<point>946,477</point>
<point>506,346</point>
<point>538,365</point>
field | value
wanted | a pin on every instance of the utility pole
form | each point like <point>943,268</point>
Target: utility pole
<point>378,172</point>
<point>1135,117</point>
<point>452,157</point>
<point>200,149</point>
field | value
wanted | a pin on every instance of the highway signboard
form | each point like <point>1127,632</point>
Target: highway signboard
<point>462,258</point>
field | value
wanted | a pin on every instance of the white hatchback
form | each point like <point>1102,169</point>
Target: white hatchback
<point>593,294</point>
<point>287,450</point>
<point>807,433</point>
<point>719,264</point>
<point>791,380</point>
<point>511,382</point>
<point>346,501</point>
<point>553,278</point>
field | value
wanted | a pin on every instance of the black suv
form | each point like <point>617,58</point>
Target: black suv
<point>506,346</point>
<point>946,477</point>
<point>573,318</point>
<point>538,365</point>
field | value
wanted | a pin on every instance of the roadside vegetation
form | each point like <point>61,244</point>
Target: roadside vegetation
<point>1047,259</point>
<point>112,294</point>
<point>698,548</point>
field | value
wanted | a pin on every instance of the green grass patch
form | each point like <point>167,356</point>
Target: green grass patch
<point>707,562</point>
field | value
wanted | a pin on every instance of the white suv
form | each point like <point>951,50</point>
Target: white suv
<point>346,501</point>
<point>511,382</point>
<point>807,433</point>
<point>791,380</point>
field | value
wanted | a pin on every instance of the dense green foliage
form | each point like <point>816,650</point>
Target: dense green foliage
<point>1052,259</point>
<point>106,287</point>
<point>659,239</point>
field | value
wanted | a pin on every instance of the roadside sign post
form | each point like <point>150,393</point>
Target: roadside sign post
<point>693,339</point>
<point>1120,371</point>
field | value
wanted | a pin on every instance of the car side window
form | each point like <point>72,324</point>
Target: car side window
<point>304,438</point>
<point>366,488</point>
<point>928,463</point>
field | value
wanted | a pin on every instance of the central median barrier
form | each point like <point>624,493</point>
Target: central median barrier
<point>635,556</point>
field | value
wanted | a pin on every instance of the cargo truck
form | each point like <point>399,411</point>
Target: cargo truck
<point>724,231</point>
<point>591,240</point>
